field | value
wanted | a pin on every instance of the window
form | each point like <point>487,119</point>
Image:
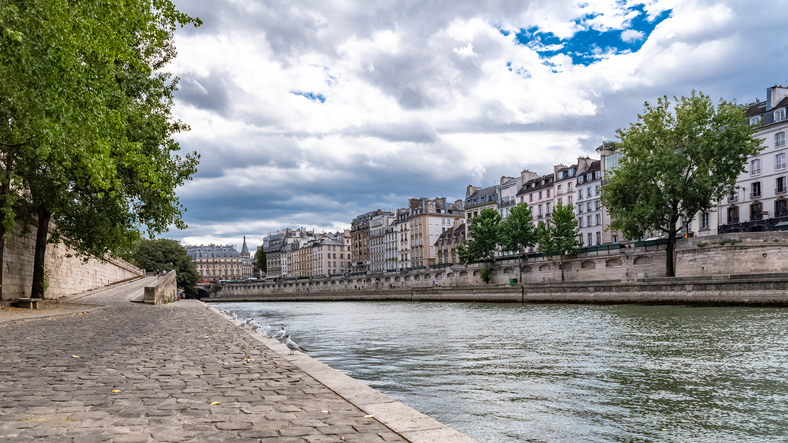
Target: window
<point>548,193</point>
<point>779,115</point>
<point>598,205</point>
<point>733,214</point>
<point>547,208</point>
<point>755,120</point>
<point>588,207</point>
<point>579,194</point>
<point>588,192</point>
<point>779,139</point>
<point>569,200</point>
<point>590,241</point>
<point>597,174</point>
<point>596,190</point>
<point>530,198</point>
<point>580,225</point>
<point>780,207</point>
<point>755,190</point>
<point>588,177</point>
<point>580,237</point>
<point>598,219</point>
<point>579,209</point>
<point>569,187</point>
<point>540,210</point>
<point>540,195</point>
<point>704,221</point>
<point>560,201</point>
<point>580,179</point>
<point>755,167</point>
<point>598,237</point>
<point>779,161</point>
<point>589,224</point>
<point>559,189</point>
<point>756,211</point>
<point>779,185</point>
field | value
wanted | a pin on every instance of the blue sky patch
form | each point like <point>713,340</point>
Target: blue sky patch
<point>590,45</point>
<point>317,98</point>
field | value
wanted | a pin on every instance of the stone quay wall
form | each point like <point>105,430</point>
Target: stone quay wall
<point>164,291</point>
<point>68,274</point>
<point>713,258</point>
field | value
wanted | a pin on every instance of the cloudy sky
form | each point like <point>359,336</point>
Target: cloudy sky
<point>310,112</point>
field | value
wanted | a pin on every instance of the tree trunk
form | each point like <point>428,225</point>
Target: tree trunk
<point>670,270</point>
<point>561,267</point>
<point>41,248</point>
<point>2,254</point>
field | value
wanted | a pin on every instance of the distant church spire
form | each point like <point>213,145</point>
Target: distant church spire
<point>244,249</point>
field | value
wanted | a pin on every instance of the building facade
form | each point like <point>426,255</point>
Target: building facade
<point>758,201</point>
<point>448,242</point>
<point>217,262</point>
<point>428,219</point>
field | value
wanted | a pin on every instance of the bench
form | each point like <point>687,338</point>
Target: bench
<point>29,303</point>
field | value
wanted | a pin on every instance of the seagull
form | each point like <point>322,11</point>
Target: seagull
<point>292,345</point>
<point>267,330</point>
<point>254,327</point>
<point>280,334</point>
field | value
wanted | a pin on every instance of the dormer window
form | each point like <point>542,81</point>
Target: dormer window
<point>755,120</point>
<point>597,174</point>
<point>580,179</point>
<point>779,115</point>
<point>588,177</point>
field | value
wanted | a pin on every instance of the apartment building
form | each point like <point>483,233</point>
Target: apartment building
<point>428,219</point>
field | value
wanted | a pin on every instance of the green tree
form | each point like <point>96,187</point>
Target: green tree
<point>675,161</point>
<point>165,255</point>
<point>87,121</point>
<point>262,264</point>
<point>517,232</point>
<point>560,236</point>
<point>483,231</point>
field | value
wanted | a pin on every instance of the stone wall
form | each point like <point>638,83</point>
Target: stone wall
<point>68,274</point>
<point>728,254</point>
<point>164,291</point>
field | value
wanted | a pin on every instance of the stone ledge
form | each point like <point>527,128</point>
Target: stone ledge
<point>403,420</point>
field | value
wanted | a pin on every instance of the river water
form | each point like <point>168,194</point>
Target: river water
<point>560,373</point>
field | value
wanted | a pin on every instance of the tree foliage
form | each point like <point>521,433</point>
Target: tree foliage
<point>165,255</point>
<point>87,128</point>
<point>483,231</point>
<point>262,264</point>
<point>560,236</point>
<point>517,232</point>
<point>676,160</point>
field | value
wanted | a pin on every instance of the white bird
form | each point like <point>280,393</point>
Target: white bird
<point>254,327</point>
<point>280,334</point>
<point>293,346</point>
<point>267,330</point>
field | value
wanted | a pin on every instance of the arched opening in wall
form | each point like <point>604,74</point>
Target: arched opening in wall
<point>475,273</point>
<point>358,281</point>
<point>642,261</point>
<point>333,282</point>
<point>525,269</point>
<point>565,266</point>
<point>427,276</point>
<point>439,276</point>
<point>396,278</point>
<point>450,275</point>
<point>544,267</point>
<point>369,280</point>
<point>407,278</point>
<point>588,264</point>
<point>463,273</point>
<point>387,279</point>
<point>415,277</point>
<point>508,270</point>
<point>614,262</point>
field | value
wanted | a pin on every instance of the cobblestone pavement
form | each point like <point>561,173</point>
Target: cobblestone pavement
<point>135,373</point>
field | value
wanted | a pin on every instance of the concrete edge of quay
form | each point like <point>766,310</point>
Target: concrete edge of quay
<point>727,290</point>
<point>401,419</point>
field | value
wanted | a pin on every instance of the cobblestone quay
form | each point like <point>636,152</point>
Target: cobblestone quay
<point>133,372</point>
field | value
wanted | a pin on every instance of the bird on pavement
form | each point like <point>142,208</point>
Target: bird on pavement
<point>280,334</point>
<point>267,330</point>
<point>292,345</point>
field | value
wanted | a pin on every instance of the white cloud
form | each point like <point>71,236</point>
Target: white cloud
<point>425,98</point>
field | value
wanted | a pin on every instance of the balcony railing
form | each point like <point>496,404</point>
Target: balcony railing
<point>733,219</point>
<point>780,190</point>
<point>756,216</point>
<point>506,203</point>
<point>754,195</point>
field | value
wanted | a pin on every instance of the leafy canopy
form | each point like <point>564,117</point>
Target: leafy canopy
<point>262,264</point>
<point>165,255</point>
<point>517,232</point>
<point>559,237</point>
<point>676,160</point>
<point>483,231</point>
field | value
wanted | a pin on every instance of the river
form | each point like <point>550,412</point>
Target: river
<point>560,373</point>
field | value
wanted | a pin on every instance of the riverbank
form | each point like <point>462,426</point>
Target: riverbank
<point>174,372</point>
<point>724,290</point>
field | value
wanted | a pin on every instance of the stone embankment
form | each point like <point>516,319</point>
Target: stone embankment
<point>742,268</point>
<point>135,372</point>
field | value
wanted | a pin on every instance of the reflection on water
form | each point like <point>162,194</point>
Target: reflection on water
<point>511,372</point>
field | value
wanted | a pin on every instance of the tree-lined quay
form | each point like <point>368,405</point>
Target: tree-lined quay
<point>177,372</point>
